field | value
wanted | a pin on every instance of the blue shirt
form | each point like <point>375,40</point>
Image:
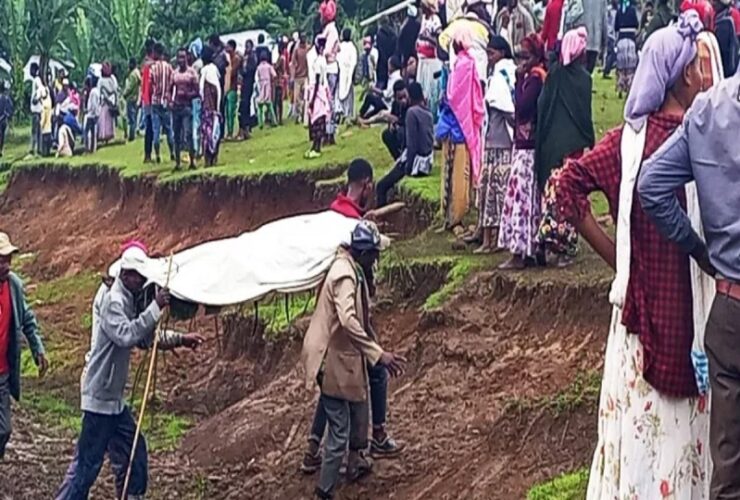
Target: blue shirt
<point>705,148</point>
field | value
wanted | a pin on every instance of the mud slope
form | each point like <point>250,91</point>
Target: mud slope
<point>467,407</point>
<point>77,218</point>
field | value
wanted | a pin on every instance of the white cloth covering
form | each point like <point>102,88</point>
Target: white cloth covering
<point>285,256</point>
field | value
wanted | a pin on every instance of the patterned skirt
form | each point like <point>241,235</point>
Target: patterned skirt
<point>627,60</point>
<point>558,236</point>
<point>649,445</point>
<point>492,190</point>
<point>455,183</point>
<point>317,129</point>
<point>211,131</point>
<point>521,214</point>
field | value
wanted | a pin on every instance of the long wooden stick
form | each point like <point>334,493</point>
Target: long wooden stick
<point>387,12</point>
<point>152,363</point>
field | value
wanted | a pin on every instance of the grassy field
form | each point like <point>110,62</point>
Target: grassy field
<point>279,151</point>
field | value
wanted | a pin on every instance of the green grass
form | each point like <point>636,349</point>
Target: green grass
<point>52,410</point>
<point>583,390</point>
<point>461,269</point>
<point>570,486</point>
<point>54,291</point>
<point>163,430</point>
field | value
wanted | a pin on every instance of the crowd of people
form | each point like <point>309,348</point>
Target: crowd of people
<point>505,92</point>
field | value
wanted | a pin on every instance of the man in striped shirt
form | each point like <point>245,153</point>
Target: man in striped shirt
<point>161,87</point>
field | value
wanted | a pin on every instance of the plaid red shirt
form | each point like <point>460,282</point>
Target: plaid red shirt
<point>161,77</point>
<point>658,305</point>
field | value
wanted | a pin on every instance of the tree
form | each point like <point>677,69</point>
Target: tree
<point>48,21</point>
<point>13,22</point>
<point>126,25</point>
<point>79,45</point>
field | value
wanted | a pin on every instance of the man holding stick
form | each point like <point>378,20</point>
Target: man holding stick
<point>107,423</point>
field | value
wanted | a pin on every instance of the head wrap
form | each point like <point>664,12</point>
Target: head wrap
<point>573,45</point>
<point>106,69</point>
<point>412,11</point>
<point>328,10</point>
<point>533,43</point>
<point>624,5</point>
<point>500,43</point>
<point>134,244</point>
<point>665,55</point>
<point>430,4</point>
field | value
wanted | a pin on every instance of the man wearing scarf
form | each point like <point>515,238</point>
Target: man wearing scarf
<point>653,417</point>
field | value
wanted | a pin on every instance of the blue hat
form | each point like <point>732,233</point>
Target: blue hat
<point>366,237</point>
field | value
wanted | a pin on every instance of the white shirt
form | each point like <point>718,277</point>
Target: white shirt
<point>37,95</point>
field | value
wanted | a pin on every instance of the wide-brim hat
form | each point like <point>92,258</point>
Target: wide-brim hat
<point>6,247</point>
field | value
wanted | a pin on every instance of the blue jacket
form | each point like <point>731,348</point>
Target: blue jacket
<point>22,323</point>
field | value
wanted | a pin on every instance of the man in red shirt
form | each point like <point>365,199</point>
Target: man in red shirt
<point>359,190</point>
<point>145,98</point>
<point>15,318</point>
<point>551,25</point>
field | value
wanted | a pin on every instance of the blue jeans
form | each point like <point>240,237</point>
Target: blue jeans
<point>100,434</point>
<point>378,376</point>
<point>132,111</point>
<point>91,134</point>
<point>161,121</point>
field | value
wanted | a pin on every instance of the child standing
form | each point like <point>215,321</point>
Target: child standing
<point>319,101</point>
<point>92,114</point>
<point>266,78</point>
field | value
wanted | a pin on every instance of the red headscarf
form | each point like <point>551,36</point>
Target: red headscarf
<point>328,10</point>
<point>534,44</point>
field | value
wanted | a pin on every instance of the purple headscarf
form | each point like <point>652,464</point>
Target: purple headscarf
<point>665,55</point>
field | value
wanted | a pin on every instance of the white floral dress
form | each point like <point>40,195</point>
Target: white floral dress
<point>650,446</point>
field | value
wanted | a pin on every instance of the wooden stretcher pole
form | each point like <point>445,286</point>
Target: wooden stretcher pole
<point>152,364</point>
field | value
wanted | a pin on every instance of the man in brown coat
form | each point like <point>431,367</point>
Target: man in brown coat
<point>338,347</point>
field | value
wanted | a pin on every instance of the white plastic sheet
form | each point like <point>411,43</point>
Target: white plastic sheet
<point>286,256</point>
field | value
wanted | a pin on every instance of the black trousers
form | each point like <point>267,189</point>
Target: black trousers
<point>385,184</point>
<point>182,119</point>
<point>394,139</point>
<point>3,129</point>
<point>591,57</point>
<point>372,105</point>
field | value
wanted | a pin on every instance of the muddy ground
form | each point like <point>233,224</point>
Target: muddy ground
<point>499,394</point>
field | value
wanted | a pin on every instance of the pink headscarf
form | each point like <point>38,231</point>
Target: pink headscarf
<point>328,10</point>
<point>134,244</point>
<point>573,45</point>
<point>465,97</point>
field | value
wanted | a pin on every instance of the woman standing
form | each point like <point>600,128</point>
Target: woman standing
<point>653,422</point>
<point>462,158</point>
<point>210,94</point>
<point>626,25</point>
<point>347,59</point>
<point>520,219</point>
<point>426,50</point>
<point>318,107</point>
<point>247,115</point>
<point>499,141</point>
<point>108,104</point>
<point>564,129</point>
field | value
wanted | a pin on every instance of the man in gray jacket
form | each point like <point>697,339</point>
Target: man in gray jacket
<point>107,423</point>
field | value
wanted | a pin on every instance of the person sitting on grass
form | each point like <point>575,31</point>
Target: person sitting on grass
<point>319,107</point>
<point>266,77</point>
<point>378,99</point>
<point>416,159</point>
